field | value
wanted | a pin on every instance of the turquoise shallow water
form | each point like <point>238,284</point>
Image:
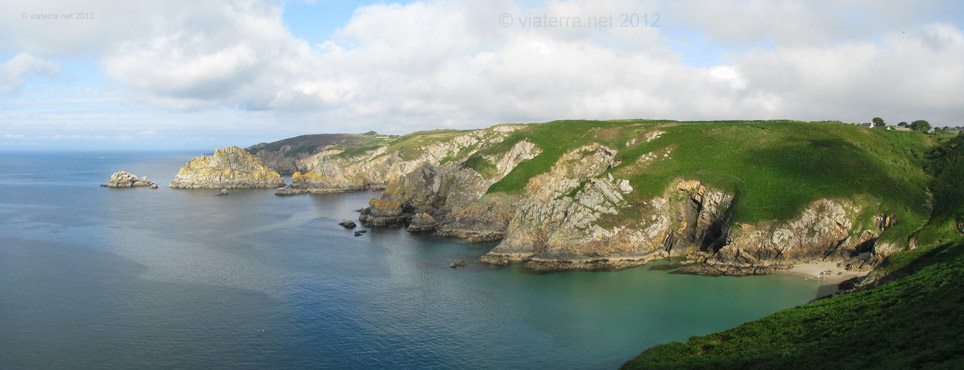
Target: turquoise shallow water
<point>138,278</point>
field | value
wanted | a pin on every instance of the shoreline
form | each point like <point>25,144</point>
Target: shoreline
<point>818,270</point>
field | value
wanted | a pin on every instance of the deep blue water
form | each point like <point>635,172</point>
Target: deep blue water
<point>138,278</point>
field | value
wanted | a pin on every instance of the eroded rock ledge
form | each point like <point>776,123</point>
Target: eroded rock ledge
<point>228,168</point>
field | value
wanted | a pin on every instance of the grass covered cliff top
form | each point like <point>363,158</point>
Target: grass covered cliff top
<point>775,168</point>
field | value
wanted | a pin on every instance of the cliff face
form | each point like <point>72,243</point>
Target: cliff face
<point>229,168</point>
<point>584,213</point>
<point>284,155</point>
<point>334,171</point>
<point>575,218</point>
<point>450,199</point>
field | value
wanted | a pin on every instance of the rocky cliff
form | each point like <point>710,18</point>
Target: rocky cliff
<point>284,155</point>
<point>124,179</point>
<point>585,211</point>
<point>340,170</point>
<point>228,168</point>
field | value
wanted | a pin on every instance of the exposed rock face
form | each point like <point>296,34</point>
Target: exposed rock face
<point>283,155</point>
<point>124,179</point>
<point>229,168</point>
<point>330,171</point>
<point>423,222</point>
<point>453,196</point>
<point>383,213</point>
<point>577,216</point>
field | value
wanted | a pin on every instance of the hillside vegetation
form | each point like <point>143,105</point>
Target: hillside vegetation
<point>911,319</point>
<point>776,168</point>
<point>911,323</point>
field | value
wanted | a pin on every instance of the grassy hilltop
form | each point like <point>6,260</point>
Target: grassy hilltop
<point>776,168</point>
<point>912,320</point>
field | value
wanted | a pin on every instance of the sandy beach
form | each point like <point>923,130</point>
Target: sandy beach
<point>819,270</point>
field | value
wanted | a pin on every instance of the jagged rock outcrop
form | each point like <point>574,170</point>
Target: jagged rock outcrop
<point>124,179</point>
<point>383,213</point>
<point>454,196</point>
<point>422,222</point>
<point>577,216</point>
<point>228,168</point>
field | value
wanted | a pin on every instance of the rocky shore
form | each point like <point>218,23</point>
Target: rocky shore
<point>228,168</point>
<point>581,210</point>
<point>124,179</point>
<point>581,216</point>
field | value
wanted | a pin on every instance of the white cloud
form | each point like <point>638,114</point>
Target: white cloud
<point>13,72</point>
<point>423,65</point>
<point>13,136</point>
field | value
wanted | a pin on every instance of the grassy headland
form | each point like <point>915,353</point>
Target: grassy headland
<point>911,319</point>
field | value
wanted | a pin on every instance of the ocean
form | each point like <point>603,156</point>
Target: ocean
<point>99,278</point>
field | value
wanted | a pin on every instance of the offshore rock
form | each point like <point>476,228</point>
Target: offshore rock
<point>348,224</point>
<point>124,179</point>
<point>228,168</point>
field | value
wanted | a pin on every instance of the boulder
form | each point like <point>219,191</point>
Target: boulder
<point>422,222</point>
<point>348,224</point>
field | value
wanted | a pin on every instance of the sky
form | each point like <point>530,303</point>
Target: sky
<point>200,74</point>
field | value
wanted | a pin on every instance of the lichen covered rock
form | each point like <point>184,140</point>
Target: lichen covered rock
<point>124,179</point>
<point>228,168</point>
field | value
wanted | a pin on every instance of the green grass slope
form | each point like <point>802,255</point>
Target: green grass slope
<point>912,319</point>
<point>776,168</point>
<point>914,322</point>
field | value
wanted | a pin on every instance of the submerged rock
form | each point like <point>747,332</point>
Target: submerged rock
<point>358,233</point>
<point>288,191</point>
<point>228,168</point>
<point>124,179</point>
<point>223,192</point>
<point>458,264</point>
